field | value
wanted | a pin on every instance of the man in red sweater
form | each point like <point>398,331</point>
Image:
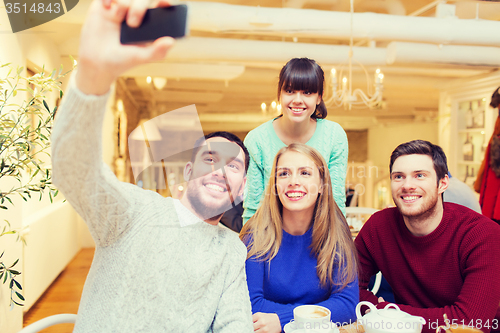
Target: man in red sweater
<point>439,258</point>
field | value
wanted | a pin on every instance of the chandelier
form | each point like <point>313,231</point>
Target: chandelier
<point>346,96</point>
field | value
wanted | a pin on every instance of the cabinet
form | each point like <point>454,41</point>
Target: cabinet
<point>472,137</point>
<point>466,123</point>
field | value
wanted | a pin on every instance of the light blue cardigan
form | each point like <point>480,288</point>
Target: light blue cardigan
<point>263,143</point>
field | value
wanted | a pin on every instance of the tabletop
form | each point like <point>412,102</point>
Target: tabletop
<point>353,328</point>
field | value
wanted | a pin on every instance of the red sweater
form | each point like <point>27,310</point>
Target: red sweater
<point>453,270</point>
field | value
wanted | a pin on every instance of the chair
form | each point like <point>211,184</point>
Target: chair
<point>376,285</point>
<point>50,321</point>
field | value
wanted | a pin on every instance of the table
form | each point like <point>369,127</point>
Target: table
<point>353,328</point>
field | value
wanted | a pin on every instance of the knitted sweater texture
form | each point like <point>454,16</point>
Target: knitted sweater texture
<point>263,143</point>
<point>290,280</point>
<point>157,267</point>
<point>453,270</point>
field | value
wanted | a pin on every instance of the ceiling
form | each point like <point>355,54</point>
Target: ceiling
<point>230,62</point>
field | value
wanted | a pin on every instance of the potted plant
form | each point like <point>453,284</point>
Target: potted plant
<point>25,128</point>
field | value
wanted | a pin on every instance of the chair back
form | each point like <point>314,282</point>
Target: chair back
<point>64,318</point>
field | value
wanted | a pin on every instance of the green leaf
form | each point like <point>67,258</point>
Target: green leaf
<point>14,264</point>
<point>18,285</point>
<point>46,105</point>
<point>19,295</point>
<point>17,303</point>
<point>14,272</point>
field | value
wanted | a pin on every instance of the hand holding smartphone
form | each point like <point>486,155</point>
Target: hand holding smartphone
<point>158,22</point>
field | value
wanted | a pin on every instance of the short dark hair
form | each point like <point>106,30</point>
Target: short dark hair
<point>422,147</point>
<point>221,134</point>
<point>304,74</point>
<point>495,99</point>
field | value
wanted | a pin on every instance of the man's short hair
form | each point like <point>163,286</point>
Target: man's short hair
<point>221,134</point>
<point>422,147</point>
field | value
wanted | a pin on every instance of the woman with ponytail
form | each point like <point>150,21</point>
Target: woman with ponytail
<point>300,93</point>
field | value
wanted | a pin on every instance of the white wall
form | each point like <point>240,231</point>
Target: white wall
<point>52,242</point>
<point>384,139</point>
<point>10,321</point>
<point>55,232</point>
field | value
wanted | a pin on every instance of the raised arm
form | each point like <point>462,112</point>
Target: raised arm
<point>78,169</point>
<point>101,58</point>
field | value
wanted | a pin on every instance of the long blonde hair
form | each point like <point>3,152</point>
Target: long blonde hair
<point>332,242</point>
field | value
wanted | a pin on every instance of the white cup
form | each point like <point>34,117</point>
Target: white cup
<point>312,318</point>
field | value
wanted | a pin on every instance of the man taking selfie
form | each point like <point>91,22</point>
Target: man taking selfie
<point>160,265</point>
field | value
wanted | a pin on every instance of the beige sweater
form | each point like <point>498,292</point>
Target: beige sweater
<point>149,273</point>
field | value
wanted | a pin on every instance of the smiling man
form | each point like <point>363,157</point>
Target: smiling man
<point>439,258</point>
<point>215,175</point>
<point>160,264</point>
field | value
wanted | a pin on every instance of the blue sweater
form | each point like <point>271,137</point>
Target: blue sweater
<point>290,280</point>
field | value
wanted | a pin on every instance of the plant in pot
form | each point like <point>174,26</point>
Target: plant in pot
<point>25,127</point>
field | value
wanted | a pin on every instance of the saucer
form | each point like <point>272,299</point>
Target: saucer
<point>288,329</point>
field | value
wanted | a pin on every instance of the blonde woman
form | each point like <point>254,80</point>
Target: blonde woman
<point>300,249</point>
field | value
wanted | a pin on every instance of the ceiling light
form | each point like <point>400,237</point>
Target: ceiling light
<point>119,105</point>
<point>159,82</point>
<point>348,97</point>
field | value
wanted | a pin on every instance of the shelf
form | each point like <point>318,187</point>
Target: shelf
<point>471,130</point>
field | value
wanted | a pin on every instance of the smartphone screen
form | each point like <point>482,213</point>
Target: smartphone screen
<point>158,22</point>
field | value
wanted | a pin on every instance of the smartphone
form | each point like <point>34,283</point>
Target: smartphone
<point>158,22</point>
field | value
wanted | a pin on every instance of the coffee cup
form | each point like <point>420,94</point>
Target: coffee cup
<point>312,318</point>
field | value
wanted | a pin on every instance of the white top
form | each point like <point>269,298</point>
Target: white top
<point>157,267</point>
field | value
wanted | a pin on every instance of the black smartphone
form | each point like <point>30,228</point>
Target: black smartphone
<point>158,22</point>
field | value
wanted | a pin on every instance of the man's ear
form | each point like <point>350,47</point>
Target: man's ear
<point>188,171</point>
<point>242,187</point>
<point>443,184</point>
